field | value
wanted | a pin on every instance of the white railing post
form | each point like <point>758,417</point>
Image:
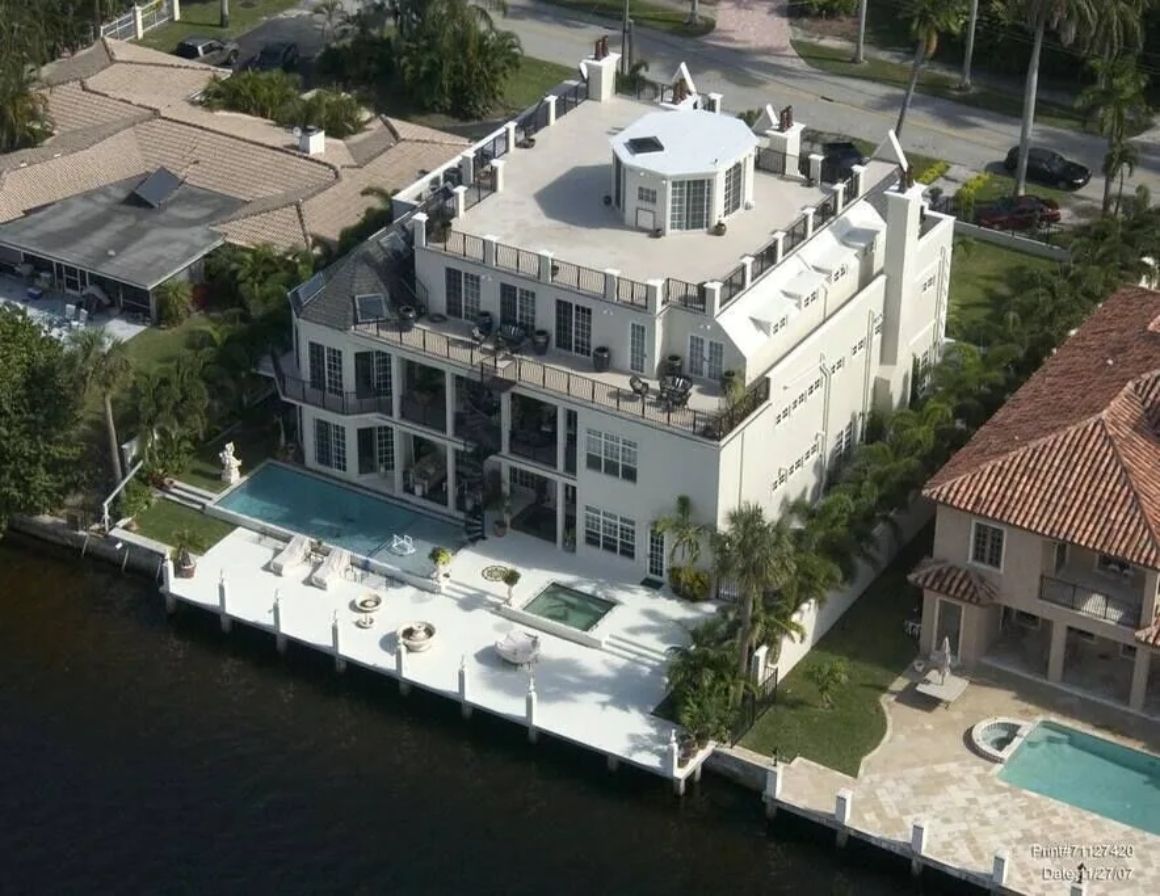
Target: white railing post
<point>530,707</point>
<point>999,866</point>
<point>551,101</point>
<point>809,215</point>
<point>773,780</point>
<point>223,593</point>
<point>843,806</point>
<point>167,585</point>
<point>401,668</point>
<point>279,634</point>
<point>335,644</point>
<point>917,845</point>
<point>464,705</point>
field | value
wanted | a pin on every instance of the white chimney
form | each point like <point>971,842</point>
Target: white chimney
<point>312,141</point>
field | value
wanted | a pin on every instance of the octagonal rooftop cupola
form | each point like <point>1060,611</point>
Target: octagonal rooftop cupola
<point>684,170</point>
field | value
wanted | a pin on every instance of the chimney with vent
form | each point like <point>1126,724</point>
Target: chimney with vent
<point>312,141</point>
<point>599,70</point>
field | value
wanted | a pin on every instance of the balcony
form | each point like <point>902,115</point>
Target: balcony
<point>297,390</point>
<point>707,415</point>
<point>1094,601</point>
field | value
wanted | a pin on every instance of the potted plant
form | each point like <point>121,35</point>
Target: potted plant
<point>185,543</point>
<point>607,199</point>
<point>719,229</point>
<point>730,381</point>
<point>601,359</point>
<point>511,578</point>
<point>407,315</point>
<point>705,711</point>
<point>486,322</point>
<point>657,233</point>
<point>441,557</point>
<point>540,340</point>
<point>673,364</point>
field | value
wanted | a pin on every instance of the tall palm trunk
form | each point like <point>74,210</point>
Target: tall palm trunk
<point>695,12</point>
<point>744,634</point>
<point>225,14</point>
<point>860,46</point>
<point>111,432</point>
<point>919,59</point>
<point>1030,89</point>
<point>1107,203</point>
<point>969,52</point>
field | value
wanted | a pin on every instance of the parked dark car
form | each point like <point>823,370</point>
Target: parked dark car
<point>1017,213</point>
<point>838,161</point>
<point>209,50</point>
<point>1048,167</point>
<point>274,56</point>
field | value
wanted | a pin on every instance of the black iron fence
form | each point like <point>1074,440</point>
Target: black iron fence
<point>755,702</point>
<point>298,390</point>
<point>429,412</point>
<point>687,295</point>
<point>733,285</point>
<point>1090,603</point>
<point>570,98</point>
<point>770,160</point>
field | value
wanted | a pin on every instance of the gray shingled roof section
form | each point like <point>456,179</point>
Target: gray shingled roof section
<point>362,271</point>
<point>73,141</point>
<point>80,65</point>
<point>363,148</point>
<point>105,231</point>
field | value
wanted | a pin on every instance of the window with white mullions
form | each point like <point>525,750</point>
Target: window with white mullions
<point>330,445</point>
<point>733,188</point>
<point>706,358</point>
<point>610,532</point>
<point>656,553</point>
<point>333,371</point>
<point>611,455</point>
<point>636,347</point>
<point>987,545</point>
<point>517,306</point>
<point>573,328</point>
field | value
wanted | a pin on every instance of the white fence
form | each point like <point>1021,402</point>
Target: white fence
<point>140,20</point>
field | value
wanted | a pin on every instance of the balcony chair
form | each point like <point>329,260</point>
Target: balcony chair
<point>639,387</point>
<point>512,337</point>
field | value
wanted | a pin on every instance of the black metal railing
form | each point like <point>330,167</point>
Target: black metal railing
<point>569,99</point>
<point>687,295</point>
<point>502,369</point>
<point>533,445</point>
<point>429,412</point>
<point>755,702</point>
<point>770,160</point>
<point>826,211</point>
<point>294,389</point>
<point>1090,603</point>
<point>733,285</point>
<point>765,258</point>
<point>795,236</point>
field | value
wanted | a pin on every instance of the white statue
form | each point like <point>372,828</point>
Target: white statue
<point>231,465</point>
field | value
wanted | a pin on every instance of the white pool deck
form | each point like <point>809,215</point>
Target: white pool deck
<point>597,697</point>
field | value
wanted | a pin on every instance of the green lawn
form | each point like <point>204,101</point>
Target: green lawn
<point>983,275</point>
<point>201,17</point>
<point>999,186</point>
<point>165,518</point>
<point>532,81</point>
<point>644,14</point>
<point>871,640</point>
<point>836,60</point>
<point>255,440</point>
<point>156,347</point>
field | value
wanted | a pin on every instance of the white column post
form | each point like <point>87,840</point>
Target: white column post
<point>467,168</point>
<point>279,634</point>
<point>335,644</point>
<point>1140,670</point>
<point>779,238</point>
<point>419,229</point>
<point>509,132</point>
<point>809,213</point>
<point>917,845</point>
<point>505,423</point>
<point>712,297</point>
<point>397,472</point>
<point>654,289</point>
<point>167,585</point>
<point>774,776</point>
<point>401,667</point>
<point>747,263</point>
<point>530,707</point>
<point>611,277</point>
<point>551,101</point>
<point>449,389</point>
<point>497,167</point>
<point>176,10</point>
<point>715,102</point>
<point>223,592</point>
<point>843,805</point>
<point>999,871</point>
<point>840,193</point>
<point>815,167</point>
<point>546,257</point>
<point>674,758</point>
<point>1056,651</point>
<point>859,174</point>
<point>460,193</point>
<point>138,24</point>
<point>464,705</point>
<point>489,242</point>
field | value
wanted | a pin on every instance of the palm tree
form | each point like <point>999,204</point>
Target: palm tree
<point>1115,102</point>
<point>1066,18</point>
<point>707,656</point>
<point>103,367</point>
<point>331,12</point>
<point>1120,158</point>
<point>829,677</point>
<point>756,557</point>
<point>928,19</point>
<point>685,534</point>
<point>224,16</point>
<point>24,118</point>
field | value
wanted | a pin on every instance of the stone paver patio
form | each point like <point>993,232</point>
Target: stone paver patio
<point>924,770</point>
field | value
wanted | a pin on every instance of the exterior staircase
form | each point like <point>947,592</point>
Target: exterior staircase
<point>634,651</point>
<point>188,495</point>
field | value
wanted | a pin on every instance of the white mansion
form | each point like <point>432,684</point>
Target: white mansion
<point>609,303</point>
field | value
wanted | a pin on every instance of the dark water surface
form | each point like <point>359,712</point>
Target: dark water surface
<point>140,754</point>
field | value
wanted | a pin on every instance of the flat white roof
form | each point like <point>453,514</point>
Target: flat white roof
<point>553,199</point>
<point>692,141</point>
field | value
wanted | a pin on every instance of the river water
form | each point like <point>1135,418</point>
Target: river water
<point>142,754</point>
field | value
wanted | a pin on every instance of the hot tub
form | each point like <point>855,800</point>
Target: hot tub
<point>996,738</point>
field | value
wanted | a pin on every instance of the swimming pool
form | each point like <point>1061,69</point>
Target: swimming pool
<point>1089,772</point>
<point>362,523</point>
<point>575,609</point>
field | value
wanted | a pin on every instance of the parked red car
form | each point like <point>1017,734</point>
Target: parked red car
<point>1018,213</point>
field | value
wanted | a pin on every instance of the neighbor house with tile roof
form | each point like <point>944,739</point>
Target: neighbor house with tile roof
<point>1046,555</point>
<point>122,112</point>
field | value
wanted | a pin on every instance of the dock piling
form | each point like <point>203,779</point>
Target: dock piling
<point>774,776</point>
<point>843,805</point>
<point>917,846</point>
<point>999,871</point>
<point>613,762</point>
<point>401,668</point>
<point>167,585</point>
<point>339,662</point>
<point>530,707</point>
<point>279,635</point>
<point>223,592</point>
<point>464,706</point>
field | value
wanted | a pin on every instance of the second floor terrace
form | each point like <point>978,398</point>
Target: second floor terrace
<point>563,209</point>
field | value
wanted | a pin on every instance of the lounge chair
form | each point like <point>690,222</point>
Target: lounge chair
<point>639,387</point>
<point>291,556</point>
<point>333,567</point>
<point>402,545</point>
<point>518,648</point>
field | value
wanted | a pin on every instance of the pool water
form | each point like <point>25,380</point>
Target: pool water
<point>999,736</point>
<point>1089,772</point>
<point>569,607</point>
<point>362,523</point>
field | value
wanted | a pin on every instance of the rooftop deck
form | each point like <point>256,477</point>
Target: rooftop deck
<point>553,200</point>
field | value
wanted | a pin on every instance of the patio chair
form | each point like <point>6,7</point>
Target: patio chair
<point>518,648</point>
<point>70,312</point>
<point>291,556</point>
<point>639,387</point>
<point>402,545</point>
<point>82,317</point>
<point>478,336</point>
<point>333,567</point>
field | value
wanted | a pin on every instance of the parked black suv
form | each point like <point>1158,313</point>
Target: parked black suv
<point>273,56</point>
<point>1047,167</point>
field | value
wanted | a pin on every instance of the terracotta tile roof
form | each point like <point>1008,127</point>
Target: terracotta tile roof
<point>1075,454</point>
<point>83,64</point>
<point>151,86</point>
<point>1150,635</point>
<point>280,227</point>
<point>406,130</point>
<point>951,580</point>
<point>126,51</point>
<point>74,108</point>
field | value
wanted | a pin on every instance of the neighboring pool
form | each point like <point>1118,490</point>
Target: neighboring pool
<point>1089,772</point>
<point>362,523</point>
<point>569,607</point>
